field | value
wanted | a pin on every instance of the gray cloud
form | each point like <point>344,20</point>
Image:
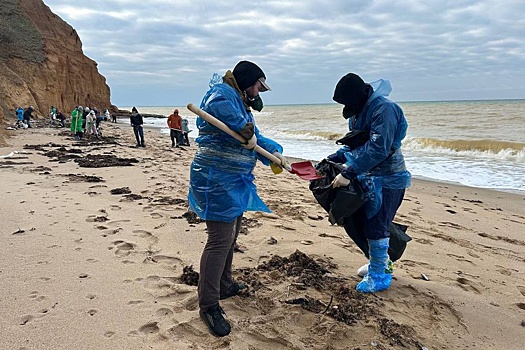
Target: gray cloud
<point>164,52</point>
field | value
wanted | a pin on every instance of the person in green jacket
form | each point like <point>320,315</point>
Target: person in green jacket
<point>76,122</point>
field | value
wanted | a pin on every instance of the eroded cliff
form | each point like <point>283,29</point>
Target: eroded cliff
<point>42,62</point>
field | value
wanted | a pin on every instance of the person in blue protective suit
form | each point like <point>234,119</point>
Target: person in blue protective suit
<point>378,164</point>
<point>221,182</point>
<point>19,116</point>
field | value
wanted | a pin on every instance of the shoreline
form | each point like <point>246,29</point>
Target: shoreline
<point>88,269</point>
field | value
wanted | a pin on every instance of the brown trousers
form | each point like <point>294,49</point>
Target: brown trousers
<point>215,277</point>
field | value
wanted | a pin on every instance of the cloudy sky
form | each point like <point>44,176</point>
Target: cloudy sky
<point>163,52</point>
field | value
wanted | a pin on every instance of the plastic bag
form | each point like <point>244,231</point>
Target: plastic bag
<point>340,202</point>
<point>353,223</point>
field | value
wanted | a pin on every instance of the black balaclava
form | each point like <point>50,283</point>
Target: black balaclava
<point>246,74</point>
<point>352,92</point>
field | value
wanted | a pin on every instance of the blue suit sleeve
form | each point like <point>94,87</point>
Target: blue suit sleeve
<point>268,144</point>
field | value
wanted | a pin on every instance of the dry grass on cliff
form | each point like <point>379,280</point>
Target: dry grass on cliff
<point>18,35</point>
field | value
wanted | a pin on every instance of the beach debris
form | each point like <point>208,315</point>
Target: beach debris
<point>192,217</point>
<point>120,190</point>
<point>104,160</point>
<point>307,242</point>
<point>83,275</point>
<point>425,277</point>
<point>451,211</point>
<point>133,197</point>
<point>189,276</point>
<point>83,178</point>
<point>271,240</point>
<point>168,201</point>
<point>247,223</point>
<point>239,249</point>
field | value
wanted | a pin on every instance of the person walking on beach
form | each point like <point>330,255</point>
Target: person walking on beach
<point>91,124</point>
<point>136,122</point>
<point>19,116</point>
<point>175,125</point>
<point>378,164</point>
<point>221,182</point>
<point>185,132</point>
<point>28,115</point>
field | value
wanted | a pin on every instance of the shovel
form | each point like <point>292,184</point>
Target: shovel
<point>304,170</point>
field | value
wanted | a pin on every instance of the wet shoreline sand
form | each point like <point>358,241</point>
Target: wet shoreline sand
<point>84,268</point>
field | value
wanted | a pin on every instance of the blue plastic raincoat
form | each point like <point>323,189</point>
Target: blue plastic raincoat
<point>221,178</point>
<point>375,168</point>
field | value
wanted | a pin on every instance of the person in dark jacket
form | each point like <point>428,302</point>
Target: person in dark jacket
<point>378,164</point>
<point>136,122</point>
<point>27,116</point>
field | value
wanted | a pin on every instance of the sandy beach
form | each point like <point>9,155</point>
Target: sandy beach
<point>98,247</point>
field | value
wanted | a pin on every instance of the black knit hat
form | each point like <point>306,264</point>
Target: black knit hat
<point>351,91</point>
<point>247,73</point>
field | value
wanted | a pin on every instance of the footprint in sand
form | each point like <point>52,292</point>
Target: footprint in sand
<point>503,270</point>
<point>25,319</point>
<point>109,334</point>
<point>467,285</point>
<point>34,295</point>
<point>522,290</point>
<point>117,222</point>
<point>460,258</point>
<point>164,259</point>
<point>164,312</point>
<point>149,328</point>
<point>115,207</point>
<point>156,215</point>
<point>124,248</point>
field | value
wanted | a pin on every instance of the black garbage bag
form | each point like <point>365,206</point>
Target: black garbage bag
<point>398,237</point>
<point>345,208</point>
<point>340,202</point>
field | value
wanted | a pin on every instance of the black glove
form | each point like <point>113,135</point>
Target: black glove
<point>248,131</point>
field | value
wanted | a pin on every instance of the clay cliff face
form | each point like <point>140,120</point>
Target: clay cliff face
<point>42,63</point>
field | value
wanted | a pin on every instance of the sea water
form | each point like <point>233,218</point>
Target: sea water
<point>474,143</point>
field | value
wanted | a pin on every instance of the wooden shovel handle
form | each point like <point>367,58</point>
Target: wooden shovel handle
<point>217,123</point>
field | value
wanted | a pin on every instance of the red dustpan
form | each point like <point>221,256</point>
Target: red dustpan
<point>305,170</point>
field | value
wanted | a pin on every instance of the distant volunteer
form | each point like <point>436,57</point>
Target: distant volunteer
<point>378,164</point>
<point>137,121</point>
<point>221,182</point>
<point>175,126</point>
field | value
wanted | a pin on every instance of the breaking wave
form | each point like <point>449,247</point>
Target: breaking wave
<point>474,148</point>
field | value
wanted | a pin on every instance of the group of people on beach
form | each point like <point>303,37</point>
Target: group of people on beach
<point>222,187</point>
<point>85,121</point>
<point>24,116</point>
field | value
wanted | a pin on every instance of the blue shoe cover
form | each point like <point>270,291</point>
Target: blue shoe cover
<point>377,277</point>
<point>372,283</point>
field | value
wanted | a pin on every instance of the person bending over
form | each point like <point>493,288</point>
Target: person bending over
<point>378,164</point>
